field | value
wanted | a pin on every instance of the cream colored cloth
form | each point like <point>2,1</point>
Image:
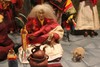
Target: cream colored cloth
<point>23,55</point>
<point>53,52</point>
<point>57,30</point>
<point>87,17</point>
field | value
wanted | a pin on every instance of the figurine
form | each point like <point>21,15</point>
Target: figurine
<point>11,55</point>
<point>23,36</point>
<point>12,58</point>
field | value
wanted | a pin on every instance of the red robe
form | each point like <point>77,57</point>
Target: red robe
<point>5,42</point>
<point>40,32</point>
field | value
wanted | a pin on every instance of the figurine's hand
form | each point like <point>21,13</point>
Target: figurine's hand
<point>31,37</point>
<point>24,31</point>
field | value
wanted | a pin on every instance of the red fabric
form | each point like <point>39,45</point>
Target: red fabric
<point>9,15</point>
<point>68,7</point>
<point>4,51</point>
<point>5,42</point>
<point>1,6</point>
<point>56,36</point>
<point>59,5</point>
<point>19,4</point>
<point>38,1</point>
<point>94,2</point>
<point>13,1</point>
<point>55,65</point>
<point>40,32</point>
<point>66,25</point>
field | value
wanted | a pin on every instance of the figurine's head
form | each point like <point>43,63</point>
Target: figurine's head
<point>42,11</point>
<point>40,15</point>
<point>11,51</point>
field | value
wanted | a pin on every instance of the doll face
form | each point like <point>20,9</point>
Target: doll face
<point>40,15</point>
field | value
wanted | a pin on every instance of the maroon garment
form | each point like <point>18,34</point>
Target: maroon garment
<point>19,4</point>
<point>59,5</point>
<point>40,32</point>
<point>55,65</point>
<point>94,2</point>
<point>5,42</point>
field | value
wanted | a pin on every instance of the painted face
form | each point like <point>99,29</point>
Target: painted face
<point>40,15</point>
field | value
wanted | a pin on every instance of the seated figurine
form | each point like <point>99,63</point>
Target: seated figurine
<point>42,28</point>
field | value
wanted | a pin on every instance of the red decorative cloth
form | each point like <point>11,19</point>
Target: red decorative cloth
<point>55,65</point>
<point>1,6</point>
<point>19,4</point>
<point>94,2</point>
<point>68,5</point>
<point>66,25</point>
<point>13,1</point>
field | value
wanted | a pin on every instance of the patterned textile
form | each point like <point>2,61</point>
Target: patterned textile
<point>65,5</point>
<point>58,4</point>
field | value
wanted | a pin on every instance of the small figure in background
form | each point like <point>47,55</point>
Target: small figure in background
<point>62,7</point>
<point>87,18</point>
<point>69,26</point>
<point>11,55</point>
<point>78,54</point>
<point>12,58</point>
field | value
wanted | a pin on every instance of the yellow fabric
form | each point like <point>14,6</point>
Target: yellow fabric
<point>68,2</point>
<point>41,21</point>
<point>70,17</point>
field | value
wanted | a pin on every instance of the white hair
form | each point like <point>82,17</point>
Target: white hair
<point>48,11</point>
